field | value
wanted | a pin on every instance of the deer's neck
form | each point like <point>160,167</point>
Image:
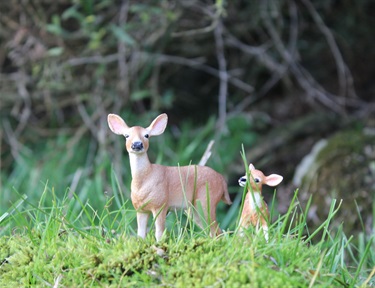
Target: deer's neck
<point>255,199</point>
<point>139,164</point>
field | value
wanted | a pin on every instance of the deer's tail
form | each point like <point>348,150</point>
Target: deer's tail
<point>225,197</point>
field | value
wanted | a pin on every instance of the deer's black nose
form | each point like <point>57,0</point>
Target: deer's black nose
<point>242,181</point>
<point>137,146</point>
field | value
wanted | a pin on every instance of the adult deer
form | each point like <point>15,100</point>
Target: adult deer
<point>156,188</point>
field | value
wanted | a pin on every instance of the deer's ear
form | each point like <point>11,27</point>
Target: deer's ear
<point>273,180</point>
<point>251,167</point>
<point>157,126</point>
<point>117,124</point>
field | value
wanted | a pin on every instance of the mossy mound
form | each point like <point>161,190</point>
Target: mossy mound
<point>343,168</point>
<point>83,261</point>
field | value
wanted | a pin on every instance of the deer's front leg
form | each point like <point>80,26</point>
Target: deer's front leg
<point>159,218</point>
<point>142,219</point>
<point>265,231</point>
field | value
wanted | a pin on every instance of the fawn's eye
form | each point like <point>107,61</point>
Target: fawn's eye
<point>257,180</point>
<point>146,136</point>
<point>126,136</point>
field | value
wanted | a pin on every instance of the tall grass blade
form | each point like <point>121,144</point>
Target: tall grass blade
<point>362,261</point>
<point>325,224</point>
<point>14,207</point>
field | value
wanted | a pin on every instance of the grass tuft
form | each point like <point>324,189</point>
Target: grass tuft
<point>86,247</point>
<point>85,236</point>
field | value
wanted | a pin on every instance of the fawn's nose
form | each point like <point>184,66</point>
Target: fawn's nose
<point>137,146</point>
<point>242,181</point>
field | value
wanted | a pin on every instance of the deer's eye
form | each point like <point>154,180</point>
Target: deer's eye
<point>126,136</point>
<point>257,180</point>
<point>146,136</point>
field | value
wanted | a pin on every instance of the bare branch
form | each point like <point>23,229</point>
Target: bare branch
<point>21,80</point>
<point>122,64</point>
<point>259,52</point>
<point>86,118</point>
<point>342,71</point>
<point>14,144</point>
<point>207,154</point>
<point>215,16</point>
<point>304,78</point>
<point>223,76</point>
<point>193,32</point>
<point>97,59</point>
<point>196,63</point>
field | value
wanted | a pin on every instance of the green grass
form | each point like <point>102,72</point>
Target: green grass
<point>68,242</point>
<point>85,235</point>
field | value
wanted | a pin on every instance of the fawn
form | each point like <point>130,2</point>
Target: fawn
<point>255,211</point>
<point>156,188</point>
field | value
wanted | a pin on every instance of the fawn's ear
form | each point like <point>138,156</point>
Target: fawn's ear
<point>117,124</point>
<point>251,167</point>
<point>273,180</point>
<point>157,126</point>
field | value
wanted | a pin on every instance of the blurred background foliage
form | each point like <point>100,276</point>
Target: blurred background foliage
<point>278,77</point>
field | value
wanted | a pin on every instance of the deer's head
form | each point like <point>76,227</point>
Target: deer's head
<point>137,138</point>
<point>257,179</point>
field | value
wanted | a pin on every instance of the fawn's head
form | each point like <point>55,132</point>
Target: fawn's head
<point>137,137</point>
<point>257,179</point>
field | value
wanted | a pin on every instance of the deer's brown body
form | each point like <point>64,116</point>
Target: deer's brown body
<point>254,214</point>
<point>255,211</point>
<point>179,182</point>
<point>156,188</point>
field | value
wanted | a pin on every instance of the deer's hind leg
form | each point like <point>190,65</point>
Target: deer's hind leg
<point>159,218</point>
<point>208,219</point>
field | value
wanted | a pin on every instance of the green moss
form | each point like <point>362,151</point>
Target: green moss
<point>235,261</point>
<point>47,254</point>
<point>17,255</point>
<point>343,171</point>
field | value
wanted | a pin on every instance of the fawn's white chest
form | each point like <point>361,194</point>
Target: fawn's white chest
<point>255,200</point>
